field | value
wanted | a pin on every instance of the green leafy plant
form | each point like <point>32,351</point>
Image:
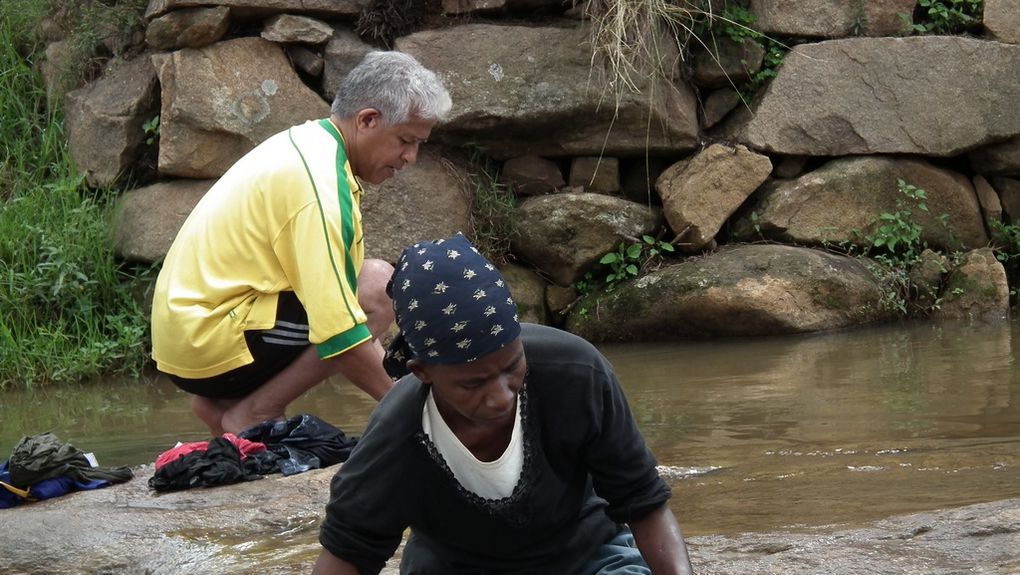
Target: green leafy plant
<point>944,16</point>
<point>151,130</point>
<point>898,235</point>
<point>629,260</point>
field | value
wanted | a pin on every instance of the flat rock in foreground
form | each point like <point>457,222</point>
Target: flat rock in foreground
<point>270,526</point>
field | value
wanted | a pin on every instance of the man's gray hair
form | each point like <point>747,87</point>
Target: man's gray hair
<point>395,84</point>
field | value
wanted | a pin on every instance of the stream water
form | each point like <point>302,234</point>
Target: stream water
<point>753,434</point>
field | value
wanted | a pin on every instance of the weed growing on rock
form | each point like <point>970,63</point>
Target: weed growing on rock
<point>492,211</point>
<point>944,17</point>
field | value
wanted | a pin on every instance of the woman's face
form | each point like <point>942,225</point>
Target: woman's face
<point>482,392</point>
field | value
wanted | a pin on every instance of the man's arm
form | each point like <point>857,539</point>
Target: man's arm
<point>362,365</point>
<point>661,543</point>
<point>329,564</point>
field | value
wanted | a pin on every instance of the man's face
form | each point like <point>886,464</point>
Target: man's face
<point>378,150</point>
<point>483,392</point>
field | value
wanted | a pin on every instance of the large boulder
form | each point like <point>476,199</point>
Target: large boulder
<point>222,100</point>
<point>563,235</point>
<point>521,90</point>
<point>843,201</point>
<point>104,120</point>
<point>737,291</point>
<point>426,201</point>
<point>934,95</point>
<point>147,219</point>
<point>699,194</point>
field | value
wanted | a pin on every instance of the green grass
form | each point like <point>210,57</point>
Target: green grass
<point>66,308</point>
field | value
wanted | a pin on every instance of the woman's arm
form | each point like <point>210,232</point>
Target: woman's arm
<point>329,564</point>
<point>661,543</point>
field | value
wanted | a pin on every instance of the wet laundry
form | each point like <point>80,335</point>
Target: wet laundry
<point>298,444</point>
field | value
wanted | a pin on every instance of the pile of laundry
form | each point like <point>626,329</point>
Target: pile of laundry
<point>298,444</point>
<point>42,467</point>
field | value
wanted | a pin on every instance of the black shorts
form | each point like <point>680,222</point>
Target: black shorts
<point>273,350</point>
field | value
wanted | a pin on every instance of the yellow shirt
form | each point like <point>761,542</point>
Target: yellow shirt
<point>285,217</point>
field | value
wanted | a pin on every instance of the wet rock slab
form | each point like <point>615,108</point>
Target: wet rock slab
<point>270,526</point>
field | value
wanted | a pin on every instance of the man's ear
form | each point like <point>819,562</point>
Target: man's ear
<point>368,118</point>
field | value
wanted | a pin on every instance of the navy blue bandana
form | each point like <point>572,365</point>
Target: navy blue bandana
<point>452,305</point>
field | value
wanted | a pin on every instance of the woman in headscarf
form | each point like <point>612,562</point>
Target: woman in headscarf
<point>507,449</point>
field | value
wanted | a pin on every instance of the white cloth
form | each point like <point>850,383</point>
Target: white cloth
<point>488,479</point>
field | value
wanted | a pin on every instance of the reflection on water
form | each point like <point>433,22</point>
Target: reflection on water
<point>793,431</point>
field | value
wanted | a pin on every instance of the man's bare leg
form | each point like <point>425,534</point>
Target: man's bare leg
<point>362,364</point>
<point>211,411</point>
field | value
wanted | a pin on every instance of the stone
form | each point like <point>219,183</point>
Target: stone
<point>559,298</point>
<point>528,291</point>
<point>831,18</point>
<point>220,101</point>
<point>563,235</point>
<point>509,101</point>
<point>104,120</point>
<point>842,200</point>
<point>926,279</point>
<point>976,289</point>
<point>342,53</point>
<point>188,28</point>
<point>595,174</point>
<point>425,201</point>
<point>130,529</point>
<point>999,159</point>
<point>1009,197</point>
<point>531,175</point>
<point>458,7</point>
<point>147,219</point>
<point>745,290</point>
<point>289,28</point>
<point>58,69</point>
<point>701,193</point>
<point>717,105</point>
<point>725,63</point>
<point>991,207</point>
<point>305,61</point>
<point>850,96</point>
<point>1002,20</point>
<point>329,9</point>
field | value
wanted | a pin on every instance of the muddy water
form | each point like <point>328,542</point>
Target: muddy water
<point>753,434</point>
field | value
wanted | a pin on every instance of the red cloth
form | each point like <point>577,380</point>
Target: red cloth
<point>243,445</point>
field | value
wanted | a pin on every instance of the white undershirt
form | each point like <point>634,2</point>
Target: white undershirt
<point>488,479</point>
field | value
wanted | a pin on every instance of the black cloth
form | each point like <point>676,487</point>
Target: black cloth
<point>302,442</point>
<point>586,470</point>
<point>298,444</point>
<point>219,464</point>
<point>44,456</point>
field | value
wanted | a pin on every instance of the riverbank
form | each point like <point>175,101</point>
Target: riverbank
<point>270,527</point>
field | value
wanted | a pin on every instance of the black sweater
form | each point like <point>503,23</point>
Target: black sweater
<point>579,434</point>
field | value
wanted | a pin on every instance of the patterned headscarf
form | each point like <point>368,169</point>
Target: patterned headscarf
<point>452,305</point>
